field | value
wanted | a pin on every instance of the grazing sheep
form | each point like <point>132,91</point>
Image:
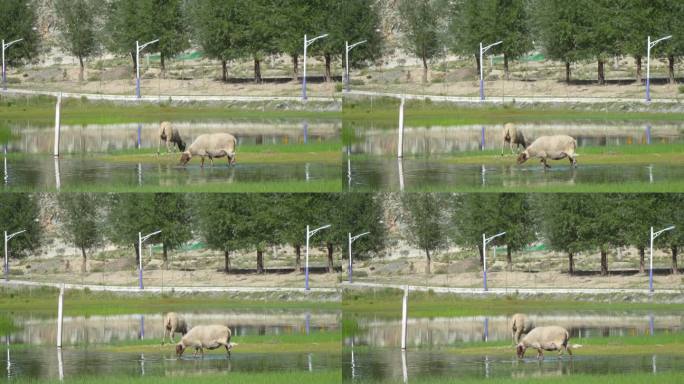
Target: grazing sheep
<point>551,338</point>
<point>205,336</point>
<point>211,145</point>
<point>174,324</point>
<point>512,135</point>
<point>170,137</point>
<point>551,147</point>
<point>520,325</point>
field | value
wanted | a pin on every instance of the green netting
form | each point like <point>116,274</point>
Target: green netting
<point>528,58</point>
<point>194,55</point>
<point>185,247</point>
<point>535,248</point>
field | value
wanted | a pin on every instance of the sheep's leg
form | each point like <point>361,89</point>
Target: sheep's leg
<point>202,165</point>
<point>227,349</point>
<point>546,165</point>
<point>540,354</point>
<point>211,160</point>
<point>173,330</point>
<point>164,337</point>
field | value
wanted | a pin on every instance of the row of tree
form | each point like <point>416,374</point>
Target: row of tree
<point>224,30</point>
<point>567,31</point>
<point>225,222</point>
<point>567,223</point>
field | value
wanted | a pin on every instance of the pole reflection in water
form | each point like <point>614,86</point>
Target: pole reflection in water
<point>310,363</point>
<point>142,364</point>
<point>485,335</point>
<point>487,368</point>
<point>142,327</point>
<point>140,174</point>
<point>404,368</point>
<point>139,134</point>
<point>349,177</point>
<point>653,364</point>
<point>353,363</point>
<point>5,175</point>
<point>306,172</point>
<point>58,178</point>
<point>308,322</point>
<point>650,174</point>
<point>305,128</point>
<point>400,166</point>
<point>651,324</point>
<point>483,171</point>
<point>60,364</point>
<point>9,361</point>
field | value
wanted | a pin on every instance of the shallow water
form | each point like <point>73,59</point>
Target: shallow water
<point>382,173</point>
<point>31,351</point>
<point>372,350</point>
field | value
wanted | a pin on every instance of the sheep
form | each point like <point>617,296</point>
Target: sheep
<point>205,336</point>
<point>551,338</point>
<point>520,325</point>
<point>512,135</point>
<point>174,324</point>
<point>169,136</point>
<point>551,147</point>
<point>211,145</point>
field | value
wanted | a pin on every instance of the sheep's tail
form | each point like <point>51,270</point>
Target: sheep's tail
<point>575,346</point>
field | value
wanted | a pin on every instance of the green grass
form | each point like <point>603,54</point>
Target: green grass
<point>267,155</point>
<point>40,110</point>
<point>7,325</point>
<point>630,378</point>
<point>285,377</point>
<point>385,113</point>
<point>387,303</point>
<point>84,303</point>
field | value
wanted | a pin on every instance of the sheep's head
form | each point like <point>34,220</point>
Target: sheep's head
<point>522,157</point>
<point>185,157</point>
<point>180,348</point>
<point>232,160</point>
<point>181,145</point>
<point>520,350</point>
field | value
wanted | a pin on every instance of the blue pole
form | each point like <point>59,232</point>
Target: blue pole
<point>142,327</point>
<point>485,279</point>
<point>308,322</point>
<point>486,329</point>
<point>139,132</point>
<point>482,139</point>
<point>648,89</point>
<point>137,87</point>
<point>650,324</point>
<point>482,89</point>
<point>306,131</point>
<point>648,134</point>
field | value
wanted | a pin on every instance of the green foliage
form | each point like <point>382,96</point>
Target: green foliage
<point>17,21</point>
<point>82,220</point>
<point>19,211</point>
<point>420,22</point>
<point>77,26</point>
<point>426,222</point>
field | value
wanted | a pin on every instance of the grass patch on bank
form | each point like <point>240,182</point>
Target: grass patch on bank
<point>627,378</point>
<point>386,303</point>
<point>7,325</point>
<point>281,377</point>
<point>87,303</point>
<point>385,111</point>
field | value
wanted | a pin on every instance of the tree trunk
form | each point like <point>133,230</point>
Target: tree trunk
<point>509,259</point>
<point>479,249</point>
<point>328,72</point>
<point>295,67</point>
<point>506,71</point>
<point>642,252</point>
<point>133,59</point>
<point>226,260</point>
<point>601,72</point>
<point>84,268</point>
<point>604,262</point>
<point>638,68</point>
<point>224,70</point>
<point>298,257</point>
<point>567,72</point>
<point>670,66</point>
<point>425,71</point>
<point>260,261</point>
<point>257,71</point>
<point>81,69</point>
<point>137,254</point>
<point>165,253</point>
<point>162,65</point>
<point>477,64</point>
<point>571,263</point>
<point>330,257</point>
<point>675,270</point>
<point>429,261</point>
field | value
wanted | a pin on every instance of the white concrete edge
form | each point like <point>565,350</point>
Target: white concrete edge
<point>506,291</point>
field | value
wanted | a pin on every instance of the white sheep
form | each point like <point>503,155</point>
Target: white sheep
<point>520,325</point>
<point>170,137</point>
<point>512,135</point>
<point>205,336</point>
<point>211,145</point>
<point>551,338</point>
<point>551,147</point>
<point>174,324</point>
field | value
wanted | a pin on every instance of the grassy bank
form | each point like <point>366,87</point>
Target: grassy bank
<point>387,303</point>
<point>631,378</point>
<point>41,110</point>
<point>85,303</point>
<point>286,377</point>
<point>384,112</point>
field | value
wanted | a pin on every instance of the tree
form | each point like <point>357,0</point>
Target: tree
<point>263,227</point>
<point>297,210</point>
<point>420,25</point>
<point>473,215</point>
<point>604,225</point>
<point>172,215</point>
<point>81,215</point>
<point>294,20</point>
<point>668,18</point>
<point>601,36</point>
<point>513,28</point>
<point>170,27</point>
<point>641,211</point>
<point>129,21</point>
<point>472,22</point>
<point>671,212</point>
<point>18,21</point>
<point>256,34</point>
<point>76,21</point>
<point>638,21</point>
<point>559,23</point>
<point>425,221</point>
<point>19,211</point>
<point>517,220</point>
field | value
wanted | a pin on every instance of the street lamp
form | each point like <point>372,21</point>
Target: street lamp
<point>139,48</point>
<point>348,48</point>
<point>485,241</point>
<point>4,47</point>
<point>648,63</point>
<point>351,240</point>
<point>306,44</point>
<point>650,269</point>
<point>482,51</point>
<point>141,240</point>
<point>310,233</point>
<point>7,239</point>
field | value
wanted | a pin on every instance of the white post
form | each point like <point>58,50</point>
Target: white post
<point>481,74</point>
<point>60,305</point>
<point>137,69</point>
<point>304,71</point>
<point>140,255</point>
<point>404,320</point>
<point>400,167</point>
<point>404,368</point>
<point>650,45</point>
<point>4,86</point>
<point>6,260</point>
<point>484,262</point>
<point>4,158</point>
<point>58,179</point>
<point>58,108</point>
<point>650,269</point>
<point>400,145</point>
<point>60,364</point>
<point>350,257</point>
<point>306,262</point>
<point>346,66</point>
